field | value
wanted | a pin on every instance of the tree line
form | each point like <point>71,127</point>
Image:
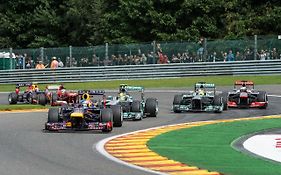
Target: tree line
<point>58,23</point>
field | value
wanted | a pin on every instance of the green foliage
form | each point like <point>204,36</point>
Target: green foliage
<point>53,23</point>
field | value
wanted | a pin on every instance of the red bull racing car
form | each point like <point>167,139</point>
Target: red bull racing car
<point>86,114</point>
<point>30,95</point>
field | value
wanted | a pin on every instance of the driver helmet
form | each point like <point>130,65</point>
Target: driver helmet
<point>201,92</point>
<point>243,89</point>
<point>63,91</point>
<point>122,96</point>
<point>86,103</point>
<point>123,90</point>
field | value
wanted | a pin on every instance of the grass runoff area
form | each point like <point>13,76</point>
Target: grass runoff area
<point>21,107</point>
<point>209,147</point>
<point>162,83</point>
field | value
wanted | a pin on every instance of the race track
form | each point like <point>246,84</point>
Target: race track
<point>26,149</point>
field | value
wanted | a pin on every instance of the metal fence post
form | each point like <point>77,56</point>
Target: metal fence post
<point>106,51</point>
<point>11,52</point>
<point>205,50</point>
<point>255,47</point>
<point>41,53</point>
<point>154,51</point>
<point>70,56</point>
<point>11,56</point>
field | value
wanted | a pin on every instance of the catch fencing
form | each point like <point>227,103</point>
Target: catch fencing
<point>149,71</point>
<point>205,50</point>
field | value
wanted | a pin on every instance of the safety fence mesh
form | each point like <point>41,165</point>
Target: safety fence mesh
<point>206,50</point>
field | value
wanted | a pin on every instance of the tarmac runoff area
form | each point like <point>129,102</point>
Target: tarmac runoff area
<point>131,149</point>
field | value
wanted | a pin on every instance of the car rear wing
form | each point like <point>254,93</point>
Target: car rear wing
<point>24,84</point>
<point>135,88</point>
<point>53,87</point>
<point>204,85</point>
<point>91,92</point>
<point>244,82</point>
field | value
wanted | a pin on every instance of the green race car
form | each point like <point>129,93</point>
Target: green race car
<point>204,98</point>
<point>132,108</point>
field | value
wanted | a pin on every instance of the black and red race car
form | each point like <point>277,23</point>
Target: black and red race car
<point>245,96</point>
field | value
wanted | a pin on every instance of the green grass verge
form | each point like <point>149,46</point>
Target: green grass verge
<point>164,83</point>
<point>209,147</point>
<point>21,107</point>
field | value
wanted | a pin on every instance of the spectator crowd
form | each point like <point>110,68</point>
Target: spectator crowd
<point>23,61</point>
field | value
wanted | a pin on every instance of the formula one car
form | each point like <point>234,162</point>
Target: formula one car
<point>132,108</point>
<point>56,95</point>
<point>203,99</point>
<point>31,95</point>
<point>85,114</point>
<point>244,96</point>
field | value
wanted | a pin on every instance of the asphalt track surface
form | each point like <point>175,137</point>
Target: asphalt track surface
<point>26,149</point>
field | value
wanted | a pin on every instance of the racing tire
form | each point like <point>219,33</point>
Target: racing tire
<point>117,115</point>
<point>136,106</point>
<point>29,98</point>
<point>20,98</point>
<point>42,99</point>
<point>107,116</point>
<point>13,98</point>
<point>53,115</point>
<point>177,101</point>
<point>225,100</point>
<point>125,106</point>
<point>34,96</point>
<point>218,102</point>
<point>54,98</point>
<point>151,107</point>
<point>262,97</point>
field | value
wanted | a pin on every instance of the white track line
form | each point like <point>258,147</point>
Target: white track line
<point>277,96</point>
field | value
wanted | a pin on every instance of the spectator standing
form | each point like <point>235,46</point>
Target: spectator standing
<point>213,57</point>
<point>224,56</point>
<point>60,63</point>
<point>274,54</point>
<point>21,61</point>
<point>67,62</point>
<point>262,55</point>
<point>158,48</point>
<point>54,63</point>
<point>143,58</point>
<point>249,54</point>
<point>175,59</point>
<point>73,62</point>
<point>28,64</point>
<point>238,56</point>
<point>40,65</point>
<point>200,51</point>
<point>150,58</point>
<point>230,56</point>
